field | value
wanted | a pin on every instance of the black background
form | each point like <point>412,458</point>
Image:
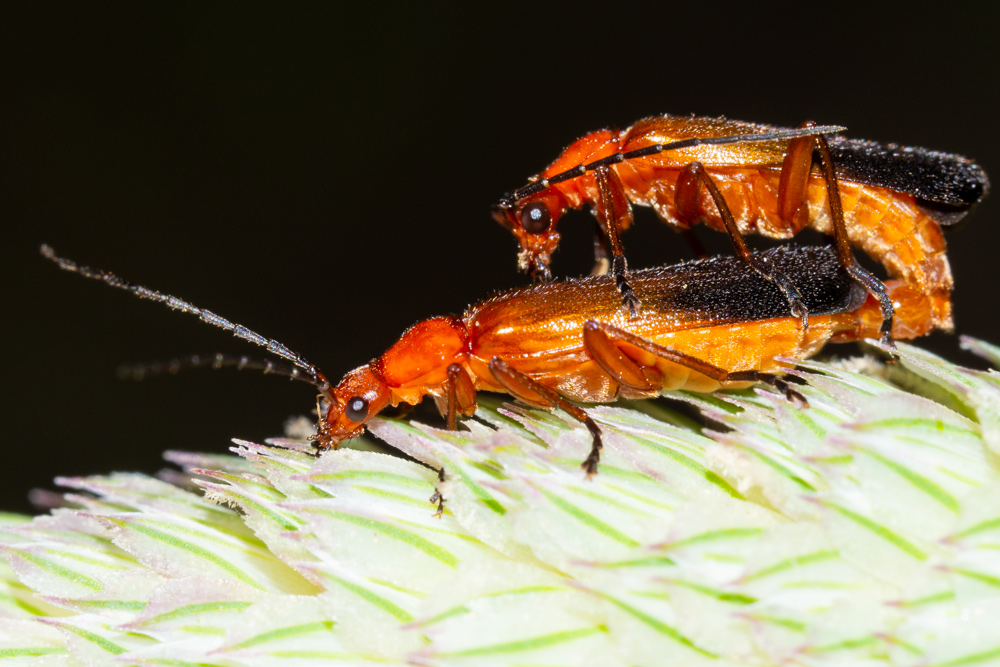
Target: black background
<point>323,175</point>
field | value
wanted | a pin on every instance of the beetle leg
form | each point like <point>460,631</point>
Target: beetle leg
<point>614,213</point>
<point>861,275</point>
<point>437,497</point>
<point>612,360</point>
<point>696,246</point>
<point>320,440</point>
<point>794,183</point>
<point>687,198</point>
<point>792,193</point>
<point>602,256</point>
<point>460,394</point>
<point>608,332</point>
<point>532,392</point>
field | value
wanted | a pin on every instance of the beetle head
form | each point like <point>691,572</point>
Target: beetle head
<point>532,220</point>
<point>359,397</point>
<point>416,364</point>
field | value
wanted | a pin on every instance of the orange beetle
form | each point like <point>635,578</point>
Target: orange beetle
<point>745,178</point>
<point>706,324</point>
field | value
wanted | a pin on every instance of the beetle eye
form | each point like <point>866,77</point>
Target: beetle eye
<point>535,217</point>
<point>357,409</point>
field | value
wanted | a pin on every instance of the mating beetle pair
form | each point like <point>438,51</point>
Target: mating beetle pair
<point>700,325</point>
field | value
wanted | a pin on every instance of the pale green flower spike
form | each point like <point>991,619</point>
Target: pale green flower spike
<point>863,530</point>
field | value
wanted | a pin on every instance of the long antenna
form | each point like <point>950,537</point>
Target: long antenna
<point>215,360</point>
<point>238,330</point>
<point>509,200</point>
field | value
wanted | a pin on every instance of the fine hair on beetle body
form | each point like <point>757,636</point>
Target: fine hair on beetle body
<point>743,178</point>
<point>707,324</point>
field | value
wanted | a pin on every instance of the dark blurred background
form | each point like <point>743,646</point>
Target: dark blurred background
<point>324,174</point>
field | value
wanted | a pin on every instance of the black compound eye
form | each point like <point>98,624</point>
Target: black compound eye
<point>535,217</point>
<point>357,409</point>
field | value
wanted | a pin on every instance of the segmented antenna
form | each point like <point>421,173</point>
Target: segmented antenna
<point>216,360</point>
<point>510,200</point>
<point>238,330</point>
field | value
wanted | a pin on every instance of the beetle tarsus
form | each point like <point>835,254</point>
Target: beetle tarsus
<point>782,384</point>
<point>438,497</point>
<point>890,347</point>
<point>619,269</point>
<point>791,395</point>
<point>590,464</point>
<point>787,287</point>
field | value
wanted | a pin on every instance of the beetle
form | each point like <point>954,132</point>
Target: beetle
<point>744,178</point>
<point>707,324</point>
